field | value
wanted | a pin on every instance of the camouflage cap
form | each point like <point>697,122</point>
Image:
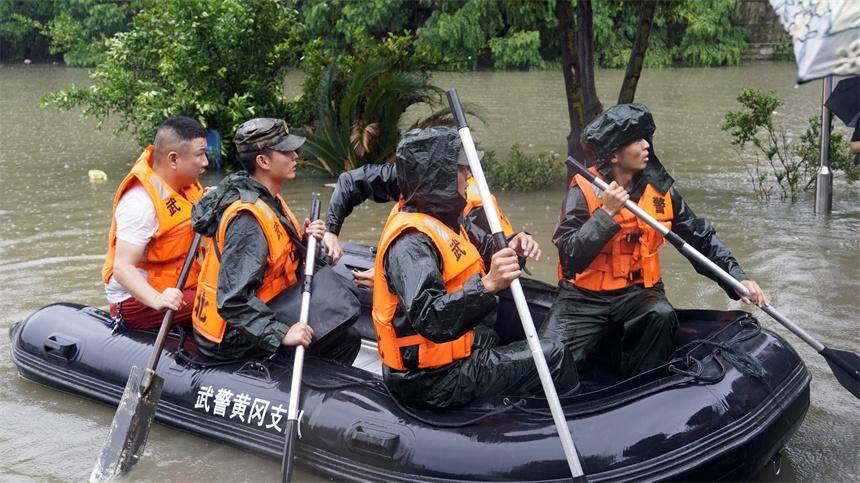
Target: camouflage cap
<point>266,133</point>
<point>617,127</point>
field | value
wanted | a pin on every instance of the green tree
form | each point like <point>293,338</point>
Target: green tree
<point>709,35</point>
<point>685,32</point>
<point>20,34</point>
<point>80,28</point>
<point>339,25</point>
<point>504,34</point>
<point>220,61</point>
<point>75,29</point>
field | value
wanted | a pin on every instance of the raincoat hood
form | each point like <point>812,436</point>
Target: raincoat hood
<point>619,126</point>
<point>206,214</point>
<point>426,165</point>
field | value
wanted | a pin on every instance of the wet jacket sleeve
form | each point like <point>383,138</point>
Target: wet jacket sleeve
<point>580,236</point>
<point>413,271</point>
<point>478,229</point>
<point>373,181</point>
<point>243,264</point>
<point>701,235</point>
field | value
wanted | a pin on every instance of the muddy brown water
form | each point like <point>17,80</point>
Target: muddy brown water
<point>53,224</point>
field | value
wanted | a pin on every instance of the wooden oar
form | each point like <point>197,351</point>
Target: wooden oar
<point>136,409</point>
<point>845,365</point>
<point>291,428</point>
<point>517,291</point>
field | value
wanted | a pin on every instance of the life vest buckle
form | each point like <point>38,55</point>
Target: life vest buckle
<point>634,275</point>
<point>632,237</point>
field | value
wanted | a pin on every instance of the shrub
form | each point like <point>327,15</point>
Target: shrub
<point>354,104</point>
<point>771,154</point>
<point>522,171</point>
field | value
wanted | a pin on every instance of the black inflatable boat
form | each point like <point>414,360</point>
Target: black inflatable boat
<point>721,409</point>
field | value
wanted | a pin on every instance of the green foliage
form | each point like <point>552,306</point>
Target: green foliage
<point>688,32</point>
<point>710,37</point>
<point>338,25</point>
<point>20,34</point>
<point>220,61</point>
<point>448,34</point>
<point>77,29</point>
<point>770,154</point>
<point>358,111</point>
<point>524,172</point>
<point>615,29</point>
<point>809,149</point>
<point>520,50</point>
<point>458,36</point>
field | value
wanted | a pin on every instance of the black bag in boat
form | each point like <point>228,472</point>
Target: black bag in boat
<point>334,306</point>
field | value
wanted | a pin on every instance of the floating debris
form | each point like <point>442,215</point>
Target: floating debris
<point>97,176</point>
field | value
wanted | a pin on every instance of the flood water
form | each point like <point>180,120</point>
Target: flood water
<point>53,225</point>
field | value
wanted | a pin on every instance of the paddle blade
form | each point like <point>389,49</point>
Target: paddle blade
<point>846,367</point>
<point>291,430</point>
<point>130,427</point>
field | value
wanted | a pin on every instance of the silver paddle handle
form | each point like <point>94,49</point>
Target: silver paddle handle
<point>523,310</point>
<point>298,364</point>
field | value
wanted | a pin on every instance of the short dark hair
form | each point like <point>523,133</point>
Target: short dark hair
<point>174,132</point>
<point>184,128</point>
<point>248,159</point>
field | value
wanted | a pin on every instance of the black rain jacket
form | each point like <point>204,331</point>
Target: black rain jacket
<point>579,236</point>
<point>251,325</point>
<point>427,179</point>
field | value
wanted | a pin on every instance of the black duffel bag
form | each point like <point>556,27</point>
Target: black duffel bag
<point>334,305</point>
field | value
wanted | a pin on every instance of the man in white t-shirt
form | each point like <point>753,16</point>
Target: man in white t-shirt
<point>150,233</point>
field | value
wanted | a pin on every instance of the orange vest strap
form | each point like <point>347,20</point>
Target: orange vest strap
<point>460,261</point>
<point>280,272</point>
<point>166,251</point>
<point>631,256</point>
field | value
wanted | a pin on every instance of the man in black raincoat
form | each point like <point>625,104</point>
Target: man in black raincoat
<point>268,153</point>
<point>413,273</point>
<point>378,182</point>
<point>608,262</point>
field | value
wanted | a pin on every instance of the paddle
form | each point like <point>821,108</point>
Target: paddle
<point>291,428</point>
<point>517,290</point>
<point>136,409</point>
<point>845,365</point>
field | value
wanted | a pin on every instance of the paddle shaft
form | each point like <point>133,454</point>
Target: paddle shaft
<point>516,289</point>
<point>691,252</point>
<point>168,316</point>
<point>291,427</point>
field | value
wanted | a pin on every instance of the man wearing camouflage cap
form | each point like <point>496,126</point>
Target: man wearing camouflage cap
<point>257,251</point>
<point>609,267</point>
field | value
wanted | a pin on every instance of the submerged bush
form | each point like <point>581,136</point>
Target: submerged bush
<point>522,171</point>
<point>778,161</point>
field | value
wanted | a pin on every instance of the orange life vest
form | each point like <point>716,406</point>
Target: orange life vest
<point>631,256</point>
<point>460,261</point>
<point>281,265</point>
<point>473,200</point>
<point>166,251</point>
